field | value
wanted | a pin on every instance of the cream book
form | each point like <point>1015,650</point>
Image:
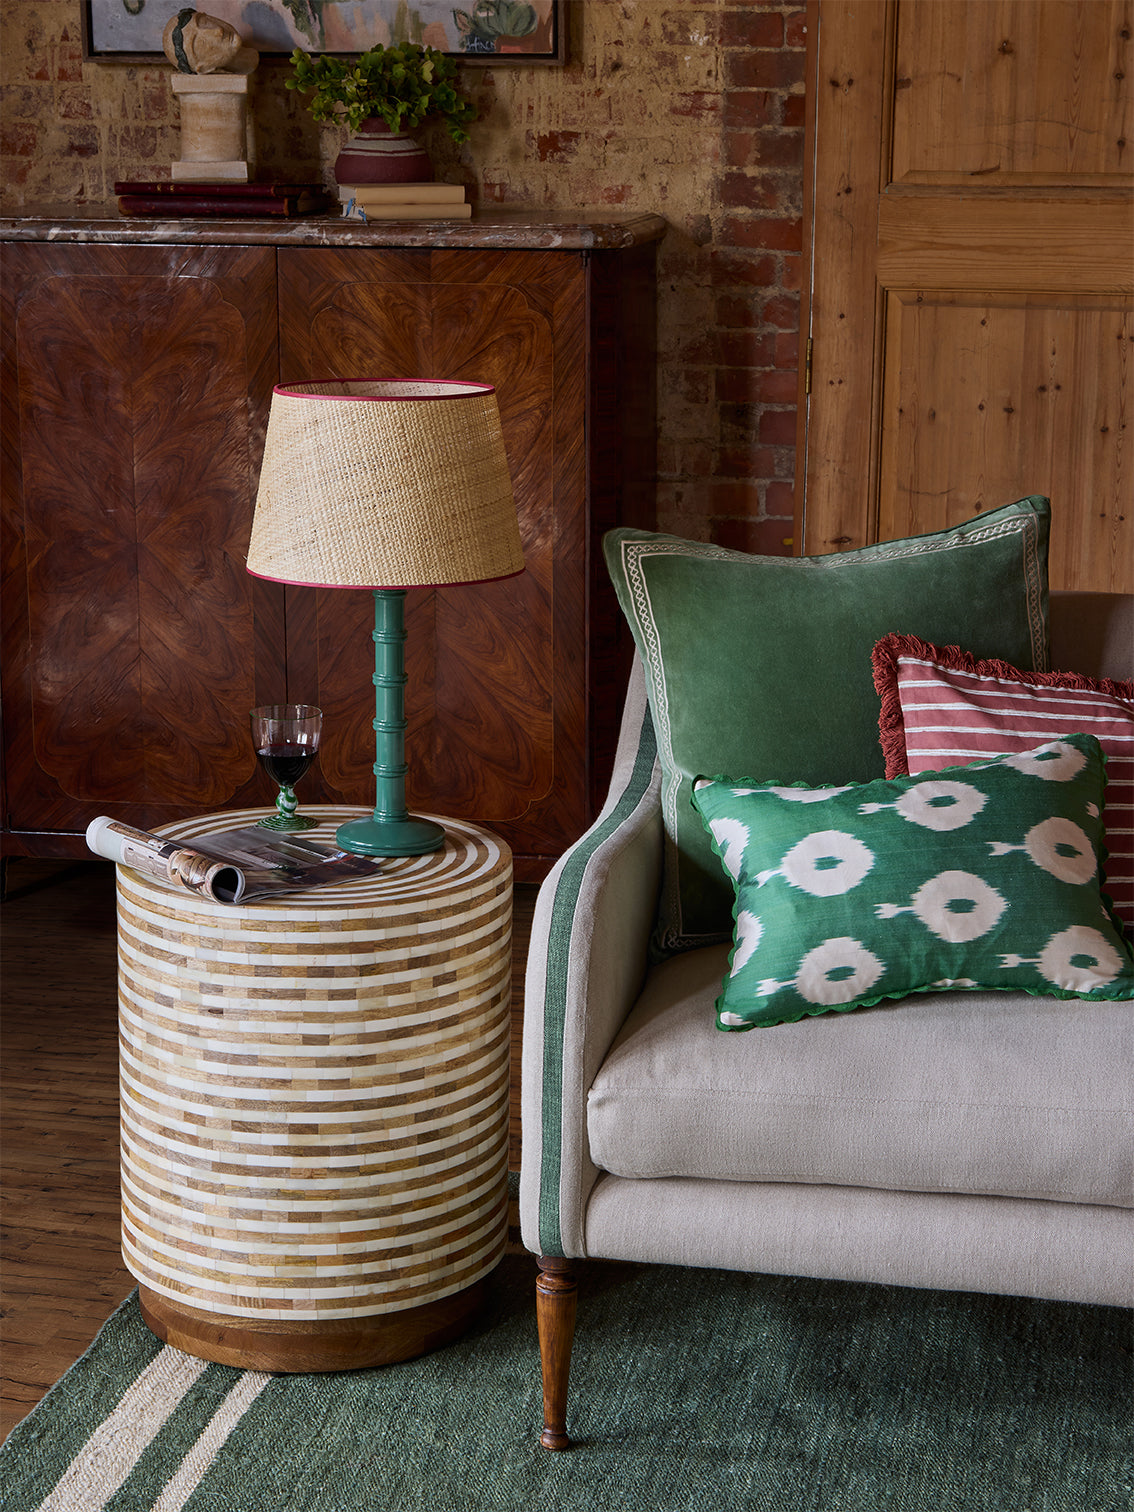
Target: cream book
<point>403,194</point>
<point>407,212</point>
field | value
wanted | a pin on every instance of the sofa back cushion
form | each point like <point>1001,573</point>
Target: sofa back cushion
<point>761,665</point>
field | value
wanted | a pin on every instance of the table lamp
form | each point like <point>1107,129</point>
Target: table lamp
<point>386,485</point>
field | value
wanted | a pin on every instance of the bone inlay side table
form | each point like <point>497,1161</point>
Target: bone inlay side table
<point>315,1105</point>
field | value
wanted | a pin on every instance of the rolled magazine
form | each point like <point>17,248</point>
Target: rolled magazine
<point>229,866</point>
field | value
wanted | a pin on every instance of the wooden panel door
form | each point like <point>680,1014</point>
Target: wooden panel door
<point>135,390</point>
<point>971,273</point>
<point>495,701</point>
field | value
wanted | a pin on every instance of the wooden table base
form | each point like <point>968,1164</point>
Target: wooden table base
<point>299,1347</point>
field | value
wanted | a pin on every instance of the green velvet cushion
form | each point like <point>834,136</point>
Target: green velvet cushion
<point>762,664</point>
<point>984,875</point>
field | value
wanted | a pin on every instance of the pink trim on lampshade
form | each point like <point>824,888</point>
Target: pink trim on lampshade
<point>312,391</point>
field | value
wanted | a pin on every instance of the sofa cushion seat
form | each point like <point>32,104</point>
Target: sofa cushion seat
<point>983,1093</point>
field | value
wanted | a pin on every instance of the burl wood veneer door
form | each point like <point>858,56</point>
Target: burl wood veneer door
<point>136,383</point>
<point>496,693</point>
<point>972,272</point>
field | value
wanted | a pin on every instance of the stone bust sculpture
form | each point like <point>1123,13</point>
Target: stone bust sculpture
<point>196,43</point>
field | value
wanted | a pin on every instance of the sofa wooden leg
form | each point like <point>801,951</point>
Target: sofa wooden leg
<point>556,1294</point>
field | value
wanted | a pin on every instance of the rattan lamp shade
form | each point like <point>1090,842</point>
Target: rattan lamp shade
<point>384,484</point>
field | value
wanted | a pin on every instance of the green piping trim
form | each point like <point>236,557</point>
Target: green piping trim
<point>566,902</point>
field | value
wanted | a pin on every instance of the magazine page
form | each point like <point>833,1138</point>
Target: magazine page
<point>230,866</point>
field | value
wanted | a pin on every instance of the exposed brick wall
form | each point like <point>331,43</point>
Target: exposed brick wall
<point>692,108</point>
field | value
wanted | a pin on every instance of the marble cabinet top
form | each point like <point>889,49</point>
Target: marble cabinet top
<point>518,229</point>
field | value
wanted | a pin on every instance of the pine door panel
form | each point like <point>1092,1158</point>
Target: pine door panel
<point>1011,92</point>
<point>1004,384</point>
<point>972,273</point>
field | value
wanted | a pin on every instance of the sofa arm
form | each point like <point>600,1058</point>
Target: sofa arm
<point>586,961</point>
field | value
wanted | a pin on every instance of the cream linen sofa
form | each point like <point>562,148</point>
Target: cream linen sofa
<point>969,1141</point>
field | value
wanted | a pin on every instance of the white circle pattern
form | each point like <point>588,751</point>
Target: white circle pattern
<point>837,971</point>
<point>827,863</point>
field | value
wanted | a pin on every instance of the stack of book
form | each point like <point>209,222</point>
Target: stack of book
<point>185,198</point>
<point>405,201</point>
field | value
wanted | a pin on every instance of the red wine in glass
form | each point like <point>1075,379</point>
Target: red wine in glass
<point>286,738</point>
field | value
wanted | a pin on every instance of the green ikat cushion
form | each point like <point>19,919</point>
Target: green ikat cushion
<point>983,875</point>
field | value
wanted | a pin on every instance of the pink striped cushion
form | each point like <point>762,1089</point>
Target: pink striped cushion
<point>941,707</point>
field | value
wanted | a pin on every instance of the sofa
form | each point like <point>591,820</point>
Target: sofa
<point>944,1132</point>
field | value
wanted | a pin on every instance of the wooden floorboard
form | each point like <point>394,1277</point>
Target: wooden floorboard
<point>62,1270</point>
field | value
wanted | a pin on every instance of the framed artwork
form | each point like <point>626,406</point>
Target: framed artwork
<point>475,31</point>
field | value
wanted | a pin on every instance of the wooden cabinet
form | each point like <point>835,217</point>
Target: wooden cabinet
<point>137,379</point>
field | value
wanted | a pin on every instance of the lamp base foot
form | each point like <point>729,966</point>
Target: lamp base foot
<point>390,837</point>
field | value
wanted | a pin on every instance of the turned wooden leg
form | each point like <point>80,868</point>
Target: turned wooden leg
<point>556,1294</point>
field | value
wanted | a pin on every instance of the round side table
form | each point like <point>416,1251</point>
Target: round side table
<point>315,1105</point>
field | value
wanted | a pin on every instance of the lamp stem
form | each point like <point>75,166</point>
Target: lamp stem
<point>391,830</point>
<point>389,680</point>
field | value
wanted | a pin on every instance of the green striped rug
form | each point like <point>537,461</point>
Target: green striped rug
<point>691,1389</point>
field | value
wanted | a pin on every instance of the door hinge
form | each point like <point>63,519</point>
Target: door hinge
<point>807,369</point>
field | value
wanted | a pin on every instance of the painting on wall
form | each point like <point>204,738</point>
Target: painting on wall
<point>475,31</point>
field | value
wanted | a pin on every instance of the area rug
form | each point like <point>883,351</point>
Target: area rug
<point>691,1389</point>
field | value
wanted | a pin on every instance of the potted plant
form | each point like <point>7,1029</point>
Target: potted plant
<point>381,95</point>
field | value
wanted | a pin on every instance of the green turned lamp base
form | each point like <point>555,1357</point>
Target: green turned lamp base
<point>390,837</point>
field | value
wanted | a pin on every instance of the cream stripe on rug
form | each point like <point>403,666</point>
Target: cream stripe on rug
<point>211,1441</point>
<point>114,1448</point>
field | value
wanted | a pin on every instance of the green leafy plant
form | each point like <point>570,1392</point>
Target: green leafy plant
<point>400,85</point>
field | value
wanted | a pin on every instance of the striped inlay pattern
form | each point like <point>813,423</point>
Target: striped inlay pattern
<point>315,1089</point>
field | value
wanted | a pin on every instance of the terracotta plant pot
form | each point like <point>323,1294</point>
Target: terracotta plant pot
<point>377,155</point>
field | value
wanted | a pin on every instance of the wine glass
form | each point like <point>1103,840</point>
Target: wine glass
<point>286,737</point>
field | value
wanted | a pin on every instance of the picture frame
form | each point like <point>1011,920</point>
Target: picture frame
<point>124,31</point>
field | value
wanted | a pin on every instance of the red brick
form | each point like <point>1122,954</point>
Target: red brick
<point>735,496</point>
<point>787,350</point>
<point>764,70</point>
<point>698,28</point>
<point>736,267</point>
<point>778,386</point>
<point>747,461</point>
<point>19,139</point>
<point>782,311</point>
<point>555,146</point>
<point>779,148</point>
<point>777,427</point>
<point>749,108</point>
<point>752,27</point>
<point>791,272</point>
<point>745,349</point>
<point>746,191</point>
<point>760,537</point>
<point>793,112</point>
<point>795,30</point>
<point>779,500</point>
<point>734,312</point>
<point>696,105</point>
<point>770,233</point>
<point>74,105</point>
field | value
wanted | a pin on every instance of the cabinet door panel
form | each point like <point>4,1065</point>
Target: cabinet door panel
<point>131,661</point>
<point>491,706</point>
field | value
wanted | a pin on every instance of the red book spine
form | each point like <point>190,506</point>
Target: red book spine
<point>184,204</point>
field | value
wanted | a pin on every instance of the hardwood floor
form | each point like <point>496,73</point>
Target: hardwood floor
<point>62,1272</point>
